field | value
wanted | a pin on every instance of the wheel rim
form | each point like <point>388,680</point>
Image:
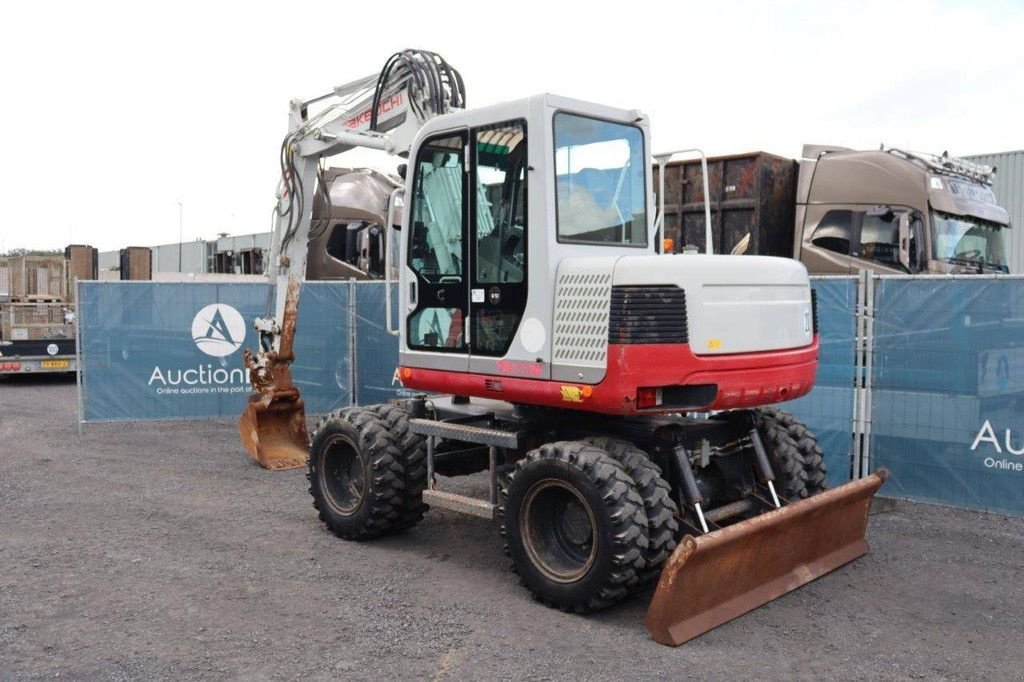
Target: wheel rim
<point>558,530</point>
<point>342,475</point>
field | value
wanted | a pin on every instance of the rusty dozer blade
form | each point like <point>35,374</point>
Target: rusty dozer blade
<point>713,578</point>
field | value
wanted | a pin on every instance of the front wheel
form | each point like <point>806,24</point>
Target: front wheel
<point>574,526</point>
<point>355,474</point>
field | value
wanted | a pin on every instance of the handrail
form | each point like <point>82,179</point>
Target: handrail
<point>662,160</point>
<point>388,231</point>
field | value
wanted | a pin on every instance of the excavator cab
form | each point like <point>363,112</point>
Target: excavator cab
<point>621,401</point>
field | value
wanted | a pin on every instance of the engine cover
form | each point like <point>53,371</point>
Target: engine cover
<point>734,304</point>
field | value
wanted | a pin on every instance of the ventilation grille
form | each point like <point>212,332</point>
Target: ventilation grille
<point>814,310</point>
<point>648,314</point>
<point>581,319</point>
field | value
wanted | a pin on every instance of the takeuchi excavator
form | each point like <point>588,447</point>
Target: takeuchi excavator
<point>620,400</point>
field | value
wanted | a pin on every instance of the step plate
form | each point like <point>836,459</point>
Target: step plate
<point>460,503</point>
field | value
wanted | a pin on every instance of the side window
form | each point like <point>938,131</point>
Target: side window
<point>599,181</point>
<point>435,251</point>
<point>501,204</point>
<point>880,238</point>
<point>834,232</point>
<point>436,246</point>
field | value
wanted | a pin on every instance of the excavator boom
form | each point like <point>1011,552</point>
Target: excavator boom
<point>382,112</point>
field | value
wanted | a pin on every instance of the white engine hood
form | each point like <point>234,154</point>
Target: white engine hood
<point>734,304</point>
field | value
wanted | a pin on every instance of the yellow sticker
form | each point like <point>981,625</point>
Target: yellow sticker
<point>572,394</point>
<point>714,344</point>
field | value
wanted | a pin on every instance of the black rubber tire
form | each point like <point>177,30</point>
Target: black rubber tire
<point>807,443</point>
<point>413,448</point>
<point>661,509</point>
<point>378,454</point>
<point>784,456</point>
<point>619,528</point>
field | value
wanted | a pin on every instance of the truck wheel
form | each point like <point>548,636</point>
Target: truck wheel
<point>807,443</point>
<point>784,456</point>
<point>662,527</point>
<point>574,526</point>
<point>414,463</point>
<point>355,474</point>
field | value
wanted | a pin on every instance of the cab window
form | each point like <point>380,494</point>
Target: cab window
<point>834,232</point>
<point>599,181</point>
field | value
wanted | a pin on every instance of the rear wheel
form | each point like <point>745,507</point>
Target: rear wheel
<point>413,448</point>
<point>574,526</point>
<point>784,456</point>
<point>807,443</point>
<point>355,474</point>
<point>662,527</point>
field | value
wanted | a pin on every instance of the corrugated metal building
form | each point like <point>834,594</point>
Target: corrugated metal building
<point>243,254</point>
<point>194,257</point>
<point>1008,186</point>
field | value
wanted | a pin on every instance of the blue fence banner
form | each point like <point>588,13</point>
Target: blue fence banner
<point>323,370</point>
<point>828,408</point>
<point>165,351</point>
<point>947,390</point>
<point>376,351</point>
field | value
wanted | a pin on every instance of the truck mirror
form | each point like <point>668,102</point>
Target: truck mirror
<point>904,237</point>
<point>402,168</point>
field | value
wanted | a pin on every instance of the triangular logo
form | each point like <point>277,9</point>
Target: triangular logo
<point>218,329</point>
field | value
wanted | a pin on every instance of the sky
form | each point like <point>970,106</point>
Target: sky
<point>113,113</point>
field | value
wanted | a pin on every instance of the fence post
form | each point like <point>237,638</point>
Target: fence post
<point>858,367</point>
<point>79,367</point>
<point>352,342</point>
<point>869,355</point>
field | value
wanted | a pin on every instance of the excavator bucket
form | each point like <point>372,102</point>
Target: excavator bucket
<point>713,578</point>
<point>273,431</point>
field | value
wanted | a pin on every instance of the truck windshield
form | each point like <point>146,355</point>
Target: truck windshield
<point>599,168</point>
<point>962,240</point>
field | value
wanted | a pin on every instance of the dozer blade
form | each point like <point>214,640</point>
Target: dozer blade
<point>711,579</point>
<point>273,431</point>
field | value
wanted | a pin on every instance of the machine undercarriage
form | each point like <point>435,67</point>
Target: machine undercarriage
<point>647,496</point>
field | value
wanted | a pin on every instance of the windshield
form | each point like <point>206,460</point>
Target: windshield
<point>599,169</point>
<point>970,242</point>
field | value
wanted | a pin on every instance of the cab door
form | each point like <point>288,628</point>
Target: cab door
<point>437,319</point>
<point>498,280</point>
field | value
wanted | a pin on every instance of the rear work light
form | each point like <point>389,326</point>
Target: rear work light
<point>648,397</point>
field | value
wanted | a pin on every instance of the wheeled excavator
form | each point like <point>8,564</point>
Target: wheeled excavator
<point>621,401</point>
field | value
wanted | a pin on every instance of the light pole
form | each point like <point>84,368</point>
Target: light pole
<point>181,213</point>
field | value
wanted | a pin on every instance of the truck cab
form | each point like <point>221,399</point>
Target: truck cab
<point>891,211</point>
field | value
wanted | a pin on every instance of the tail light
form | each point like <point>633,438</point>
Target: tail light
<point>648,397</point>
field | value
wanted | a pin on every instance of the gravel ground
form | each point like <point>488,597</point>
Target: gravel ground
<point>161,551</point>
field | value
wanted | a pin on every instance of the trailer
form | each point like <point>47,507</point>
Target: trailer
<point>37,310</point>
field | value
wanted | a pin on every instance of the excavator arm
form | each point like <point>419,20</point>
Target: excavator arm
<point>382,112</point>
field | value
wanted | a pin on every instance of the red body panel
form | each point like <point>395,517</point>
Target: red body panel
<point>743,379</point>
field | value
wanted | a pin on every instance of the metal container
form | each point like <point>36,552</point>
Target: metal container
<point>136,263</point>
<point>751,194</point>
